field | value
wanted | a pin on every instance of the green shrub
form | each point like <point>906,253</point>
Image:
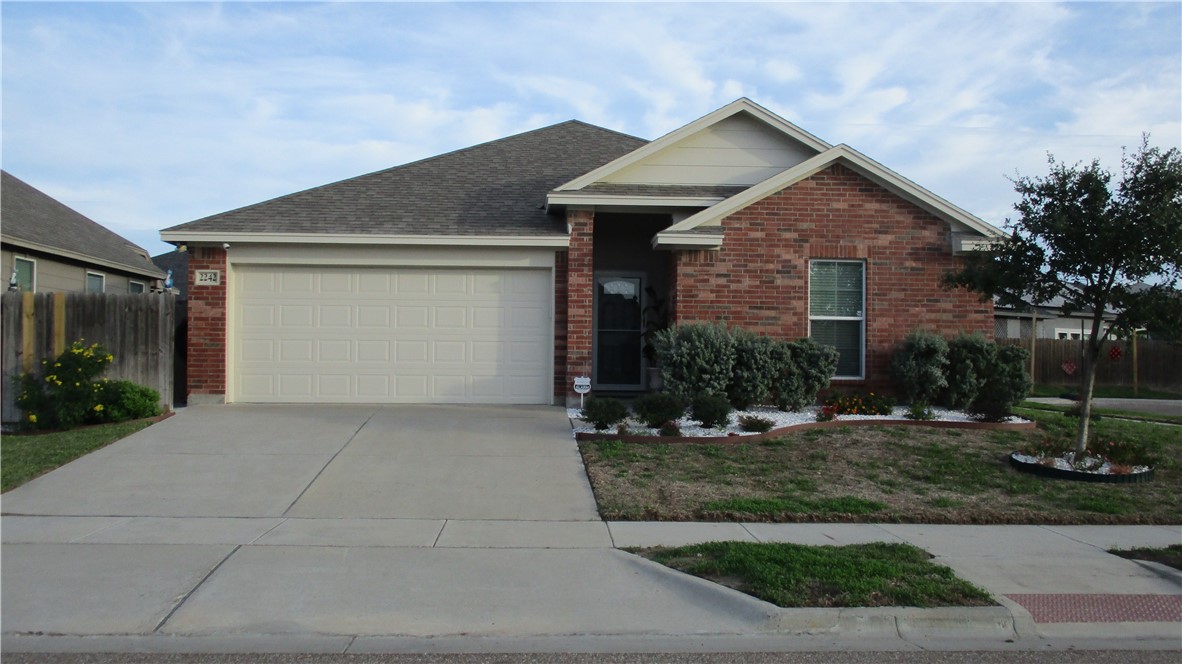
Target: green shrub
<point>656,408</point>
<point>711,410</point>
<point>695,359</point>
<point>1006,385</point>
<point>919,366</point>
<point>670,428</point>
<point>120,400</point>
<point>969,355</point>
<point>64,393</point>
<point>754,371</point>
<point>860,404</point>
<point>802,368</point>
<point>920,410</point>
<point>755,423</point>
<point>604,412</point>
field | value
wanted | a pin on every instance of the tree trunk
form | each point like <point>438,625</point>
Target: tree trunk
<point>1091,357</point>
<point>1085,401</point>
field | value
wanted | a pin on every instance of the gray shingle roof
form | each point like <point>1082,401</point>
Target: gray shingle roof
<point>495,188</point>
<point>28,216</point>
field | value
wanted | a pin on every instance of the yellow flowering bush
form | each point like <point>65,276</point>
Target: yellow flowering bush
<point>68,391</point>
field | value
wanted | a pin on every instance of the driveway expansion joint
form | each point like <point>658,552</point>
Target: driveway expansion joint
<point>189,594</point>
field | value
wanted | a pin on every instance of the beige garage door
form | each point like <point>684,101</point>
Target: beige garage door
<point>386,335</point>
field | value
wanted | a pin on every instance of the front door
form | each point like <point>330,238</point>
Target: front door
<point>619,330</point>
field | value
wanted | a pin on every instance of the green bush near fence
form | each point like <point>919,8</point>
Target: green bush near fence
<point>66,392</point>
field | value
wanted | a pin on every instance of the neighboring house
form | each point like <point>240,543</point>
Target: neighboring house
<point>47,247</point>
<point>1047,321</point>
<point>500,273</point>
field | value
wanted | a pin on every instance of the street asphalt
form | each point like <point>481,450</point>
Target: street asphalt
<point>402,529</point>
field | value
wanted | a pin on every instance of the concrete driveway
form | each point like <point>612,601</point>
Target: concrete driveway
<point>335,523</point>
<point>411,462</point>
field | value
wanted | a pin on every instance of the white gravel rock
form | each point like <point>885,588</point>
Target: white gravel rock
<point>780,420</point>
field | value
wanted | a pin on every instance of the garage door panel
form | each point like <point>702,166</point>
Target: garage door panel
<point>336,316</point>
<point>392,335</point>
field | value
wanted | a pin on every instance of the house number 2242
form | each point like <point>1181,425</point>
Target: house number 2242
<point>209,277</point>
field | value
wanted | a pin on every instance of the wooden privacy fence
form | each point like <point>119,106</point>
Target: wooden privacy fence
<point>138,329</point>
<point>1060,362</point>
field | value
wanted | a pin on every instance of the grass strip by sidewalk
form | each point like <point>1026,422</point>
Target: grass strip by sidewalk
<point>24,457</point>
<point>1170,556</point>
<point>1105,392</point>
<point>796,575</point>
<point>1104,412</point>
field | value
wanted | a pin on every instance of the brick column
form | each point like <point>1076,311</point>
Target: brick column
<point>580,279</point>
<point>207,328</point>
<point>560,311</point>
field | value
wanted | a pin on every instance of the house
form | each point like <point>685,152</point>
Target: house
<point>48,247</point>
<point>501,272</point>
<point>1047,320</point>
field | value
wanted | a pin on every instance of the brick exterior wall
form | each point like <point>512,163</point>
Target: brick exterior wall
<point>580,294</point>
<point>560,323</point>
<point>207,328</point>
<point>758,280</point>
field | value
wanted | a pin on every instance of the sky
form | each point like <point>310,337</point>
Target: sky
<point>142,116</point>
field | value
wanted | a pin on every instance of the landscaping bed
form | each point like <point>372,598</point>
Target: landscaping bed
<point>879,474</point>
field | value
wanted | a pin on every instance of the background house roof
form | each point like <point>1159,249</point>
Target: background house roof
<point>35,221</point>
<point>178,262</point>
<point>492,189</point>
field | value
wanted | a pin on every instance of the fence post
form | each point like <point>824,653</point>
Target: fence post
<point>28,331</point>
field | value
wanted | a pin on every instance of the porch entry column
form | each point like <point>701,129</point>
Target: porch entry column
<point>580,296</point>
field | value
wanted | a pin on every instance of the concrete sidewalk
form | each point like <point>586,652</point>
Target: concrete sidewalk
<point>363,585</point>
<point>387,529</point>
<point>1147,406</point>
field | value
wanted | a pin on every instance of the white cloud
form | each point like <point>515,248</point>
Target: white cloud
<point>147,115</point>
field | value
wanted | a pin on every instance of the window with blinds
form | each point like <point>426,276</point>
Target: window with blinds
<point>837,311</point>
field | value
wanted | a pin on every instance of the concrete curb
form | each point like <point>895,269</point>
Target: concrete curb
<point>1164,571</point>
<point>899,622</point>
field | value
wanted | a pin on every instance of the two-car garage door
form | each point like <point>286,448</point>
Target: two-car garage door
<point>391,335</point>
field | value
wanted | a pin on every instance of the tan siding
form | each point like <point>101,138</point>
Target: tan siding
<point>736,151</point>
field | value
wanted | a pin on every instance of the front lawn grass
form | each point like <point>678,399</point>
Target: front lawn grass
<point>880,474</point>
<point>1170,556</point>
<point>795,575</point>
<point>24,457</point>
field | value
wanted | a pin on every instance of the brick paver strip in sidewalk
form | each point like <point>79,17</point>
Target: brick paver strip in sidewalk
<point>1063,608</point>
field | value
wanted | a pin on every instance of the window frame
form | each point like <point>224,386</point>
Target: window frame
<point>103,281</point>
<point>860,319</point>
<point>131,283</point>
<point>32,272</point>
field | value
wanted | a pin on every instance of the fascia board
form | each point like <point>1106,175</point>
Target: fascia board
<point>83,258</point>
<point>557,241</point>
<point>860,163</point>
<point>665,240</point>
<point>737,106</point>
<point>580,198</point>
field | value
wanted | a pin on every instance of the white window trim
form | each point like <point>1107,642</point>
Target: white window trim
<point>100,275</point>
<point>30,261</point>
<point>861,319</point>
<point>141,284</point>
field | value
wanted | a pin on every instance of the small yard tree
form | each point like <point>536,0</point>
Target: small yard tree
<point>1096,245</point>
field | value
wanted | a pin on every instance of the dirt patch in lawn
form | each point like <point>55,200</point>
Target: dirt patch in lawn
<point>863,474</point>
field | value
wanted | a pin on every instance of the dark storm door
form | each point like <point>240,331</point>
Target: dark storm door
<point>619,328</point>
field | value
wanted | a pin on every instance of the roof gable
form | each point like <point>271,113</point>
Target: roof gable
<point>698,225</point>
<point>492,190</point>
<point>741,144</point>
<point>38,222</point>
